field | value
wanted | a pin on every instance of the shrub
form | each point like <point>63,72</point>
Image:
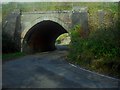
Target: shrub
<point>99,51</point>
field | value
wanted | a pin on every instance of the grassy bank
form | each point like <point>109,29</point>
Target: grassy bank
<point>11,56</point>
<point>49,6</point>
<point>99,52</point>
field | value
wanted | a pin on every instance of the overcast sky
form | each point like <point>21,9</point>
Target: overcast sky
<point>59,0</point>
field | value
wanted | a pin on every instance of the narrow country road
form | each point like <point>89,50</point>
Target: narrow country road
<point>51,70</point>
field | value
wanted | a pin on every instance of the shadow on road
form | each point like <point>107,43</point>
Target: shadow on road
<point>62,47</point>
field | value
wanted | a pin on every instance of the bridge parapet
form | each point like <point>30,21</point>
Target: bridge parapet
<point>46,12</point>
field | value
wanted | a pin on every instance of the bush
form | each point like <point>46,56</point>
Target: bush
<point>99,51</point>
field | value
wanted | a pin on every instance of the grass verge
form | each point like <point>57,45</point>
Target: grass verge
<point>11,56</point>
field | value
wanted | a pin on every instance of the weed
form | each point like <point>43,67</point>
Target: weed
<point>99,51</point>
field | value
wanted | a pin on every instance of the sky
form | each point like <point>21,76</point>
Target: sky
<point>59,0</point>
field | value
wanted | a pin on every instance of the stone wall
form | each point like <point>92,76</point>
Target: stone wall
<point>11,32</point>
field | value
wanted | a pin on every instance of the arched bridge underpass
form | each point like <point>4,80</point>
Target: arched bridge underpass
<point>37,31</point>
<point>42,36</point>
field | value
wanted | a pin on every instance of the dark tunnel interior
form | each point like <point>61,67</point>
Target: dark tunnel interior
<point>42,36</point>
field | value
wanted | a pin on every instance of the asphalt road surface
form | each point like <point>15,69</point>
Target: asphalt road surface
<point>51,70</point>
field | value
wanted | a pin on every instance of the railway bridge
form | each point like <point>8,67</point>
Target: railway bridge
<point>37,31</point>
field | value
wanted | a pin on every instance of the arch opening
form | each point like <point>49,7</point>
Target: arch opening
<point>42,37</point>
<point>63,41</point>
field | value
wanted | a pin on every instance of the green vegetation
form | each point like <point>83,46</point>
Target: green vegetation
<point>44,6</point>
<point>48,6</point>
<point>8,8</point>
<point>10,56</point>
<point>100,51</point>
<point>61,38</point>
